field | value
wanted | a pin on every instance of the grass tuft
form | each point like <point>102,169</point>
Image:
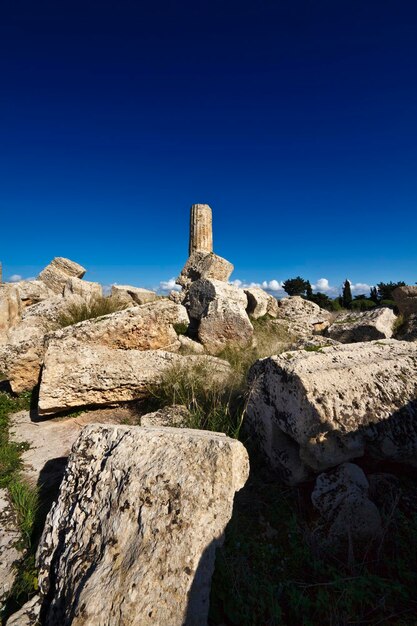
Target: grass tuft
<point>90,309</point>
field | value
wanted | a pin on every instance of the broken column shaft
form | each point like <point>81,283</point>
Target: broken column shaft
<point>201,229</point>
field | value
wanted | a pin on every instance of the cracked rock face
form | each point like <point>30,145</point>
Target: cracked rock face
<point>260,303</point>
<point>201,264</point>
<point>366,326</point>
<point>333,404</point>
<point>56,274</point>
<point>132,537</point>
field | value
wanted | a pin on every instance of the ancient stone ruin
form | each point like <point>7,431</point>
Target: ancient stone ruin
<point>201,229</point>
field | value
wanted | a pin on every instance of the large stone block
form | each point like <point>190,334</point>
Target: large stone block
<point>218,311</point>
<point>354,327</point>
<point>334,405</point>
<point>132,537</point>
<point>146,327</point>
<point>133,295</point>
<point>203,265</point>
<point>261,303</point>
<point>56,274</point>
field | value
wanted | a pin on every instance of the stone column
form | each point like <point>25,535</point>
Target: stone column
<point>201,229</point>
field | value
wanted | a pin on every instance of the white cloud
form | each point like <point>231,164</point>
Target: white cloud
<point>323,285</point>
<point>357,288</point>
<point>168,285</point>
<point>15,278</point>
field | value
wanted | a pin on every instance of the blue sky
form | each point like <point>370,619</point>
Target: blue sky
<point>296,121</point>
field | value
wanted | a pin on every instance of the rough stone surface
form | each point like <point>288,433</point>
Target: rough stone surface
<point>201,228</point>
<point>408,330</point>
<point>82,375</point>
<point>175,415</point>
<point>217,311</point>
<point>147,327</point>
<point>189,346</point>
<point>83,288</point>
<point>336,403</point>
<point>341,496</point>
<point>56,274</point>
<point>10,309</point>
<point>315,343</point>
<point>21,357</point>
<point>133,535</point>
<point>28,614</point>
<point>133,295</point>
<point>9,553</point>
<point>362,326</point>
<point>33,291</point>
<point>406,299</point>
<point>203,265</point>
<point>260,303</point>
<point>304,318</point>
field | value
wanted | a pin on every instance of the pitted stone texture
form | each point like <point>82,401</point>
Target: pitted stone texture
<point>406,299</point>
<point>77,374</point>
<point>56,274</point>
<point>219,311</point>
<point>21,357</point>
<point>336,402</point>
<point>133,295</point>
<point>175,415</point>
<point>304,318</point>
<point>189,346</point>
<point>261,303</point>
<point>10,309</point>
<point>132,537</point>
<point>33,291</point>
<point>146,327</point>
<point>201,228</point>
<point>341,496</point>
<point>203,265</point>
<point>83,288</point>
<point>10,555</point>
<point>366,326</point>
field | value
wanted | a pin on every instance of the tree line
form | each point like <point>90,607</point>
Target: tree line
<point>380,295</point>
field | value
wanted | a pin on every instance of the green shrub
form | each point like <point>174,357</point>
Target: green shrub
<point>362,305</point>
<point>89,309</point>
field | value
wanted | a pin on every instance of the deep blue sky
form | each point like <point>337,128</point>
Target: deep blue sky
<point>295,120</point>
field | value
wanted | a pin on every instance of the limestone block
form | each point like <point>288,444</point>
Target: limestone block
<point>33,291</point>
<point>146,327</point>
<point>218,310</point>
<point>83,288</point>
<point>341,496</point>
<point>362,326</point>
<point>132,537</point>
<point>176,415</point>
<point>261,303</point>
<point>133,295</point>
<point>203,265</point>
<point>336,403</point>
<point>56,274</point>
<point>21,357</point>
<point>305,318</point>
<point>77,374</point>
<point>10,309</point>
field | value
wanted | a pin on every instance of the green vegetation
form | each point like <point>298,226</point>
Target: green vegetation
<point>89,309</point>
<point>216,401</point>
<point>269,570</point>
<point>181,328</point>
<point>23,496</point>
<point>346,295</point>
<point>296,286</point>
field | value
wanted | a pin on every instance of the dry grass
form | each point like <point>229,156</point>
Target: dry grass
<point>90,309</point>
